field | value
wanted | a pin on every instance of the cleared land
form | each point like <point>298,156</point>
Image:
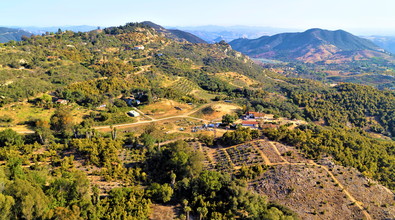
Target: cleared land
<point>319,190</point>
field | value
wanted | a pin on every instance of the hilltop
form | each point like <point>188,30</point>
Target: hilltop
<point>310,46</point>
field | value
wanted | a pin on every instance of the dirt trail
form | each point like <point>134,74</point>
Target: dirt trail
<point>185,115</point>
<point>348,194</point>
<point>263,155</point>
<point>278,152</point>
<point>228,158</point>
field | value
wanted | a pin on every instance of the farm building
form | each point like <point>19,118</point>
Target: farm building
<point>133,113</point>
<point>62,101</point>
<point>251,124</point>
<point>138,48</point>
<point>255,115</point>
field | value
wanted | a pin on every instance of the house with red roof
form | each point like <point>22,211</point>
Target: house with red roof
<point>251,124</point>
<point>255,115</point>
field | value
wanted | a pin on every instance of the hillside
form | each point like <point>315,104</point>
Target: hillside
<point>133,122</point>
<point>8,34</point>
<point>310,46</point>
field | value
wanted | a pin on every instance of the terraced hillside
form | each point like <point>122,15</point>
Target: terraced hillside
<point>314,190</point>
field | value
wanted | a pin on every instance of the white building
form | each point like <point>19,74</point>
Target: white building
<point>133,113</point>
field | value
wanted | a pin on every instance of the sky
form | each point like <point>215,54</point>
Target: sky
<point>357,15</point>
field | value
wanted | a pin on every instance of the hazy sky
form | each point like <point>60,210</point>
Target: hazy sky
<point>301,14</point>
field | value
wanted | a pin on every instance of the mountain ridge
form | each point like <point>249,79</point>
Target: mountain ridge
<point>175,34</point>
<point>8,34</point>
<point>312,45</point>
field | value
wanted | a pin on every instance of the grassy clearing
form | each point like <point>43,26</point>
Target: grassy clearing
<point>20,113</point>
<point>166,108</point>
<point>216,111</point>
<point>236,79</point>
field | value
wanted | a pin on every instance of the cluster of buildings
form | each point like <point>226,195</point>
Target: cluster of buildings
<point>247,122</point>
<point>250,119</point>
<point>207,127</point>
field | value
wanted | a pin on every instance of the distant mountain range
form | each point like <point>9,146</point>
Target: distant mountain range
<point>213,33</point>
<point>7,34</point>
<point>43,30</point>
<point>194,34</point>
<point>175,34</point>
<point>312,45</point>
<point>386,42</point>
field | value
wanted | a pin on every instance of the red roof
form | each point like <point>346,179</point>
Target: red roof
<point>250,123</point>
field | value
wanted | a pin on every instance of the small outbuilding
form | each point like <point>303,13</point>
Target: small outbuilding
<point>133,113</point>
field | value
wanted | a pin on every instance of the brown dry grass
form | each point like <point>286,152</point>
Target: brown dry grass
<point>165,108</point>
<point>161,212</point>
<point>236,79</point>
<point>219,109</point>
<point>22,112</point>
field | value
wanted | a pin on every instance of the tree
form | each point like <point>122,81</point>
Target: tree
<point>6,204</point>
<point>179,158</point>
<point>239,136</point>
<point>10,137</point>
<point>120,103</point>
<point>228,119</point>
<point>206,139</point>
<point>187,209</point>
<point>62,122</point>
<point>160,193</point>
<point>203,211</point>
<point>148,140</point>
<point>259,108</point>
<point>125,203</point>
<point>44,101</point>
<point>43,130</point>
<point>31,200</point>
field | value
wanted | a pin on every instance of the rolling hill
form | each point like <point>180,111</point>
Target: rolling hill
<point>7,34</point>
<point>312,45</point>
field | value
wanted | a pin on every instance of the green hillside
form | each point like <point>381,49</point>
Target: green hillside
<point>70,148</point>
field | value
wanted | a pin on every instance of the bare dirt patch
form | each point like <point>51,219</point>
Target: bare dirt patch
<point>215,111</point>
<point>308,191</point>
<point>236,79</point>
<point>290,154</point>
<point>375,198</point>
<point>166,108</point>
<point>161,212</point>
